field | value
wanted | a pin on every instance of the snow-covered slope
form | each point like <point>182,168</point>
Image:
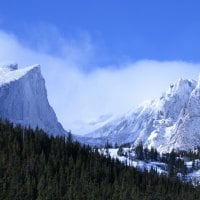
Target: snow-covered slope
<point>23,99</point>
<point>172,121</point>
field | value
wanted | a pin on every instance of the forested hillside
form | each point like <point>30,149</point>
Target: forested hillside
<point>34,165</point>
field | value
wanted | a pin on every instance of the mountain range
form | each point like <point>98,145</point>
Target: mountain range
<point>169,122</point>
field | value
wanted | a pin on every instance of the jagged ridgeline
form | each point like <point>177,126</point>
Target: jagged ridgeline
<point>23,98</point>
<point>169,122</point>
<point>34,165</point>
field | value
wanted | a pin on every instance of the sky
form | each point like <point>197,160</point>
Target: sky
<point>102,57</point>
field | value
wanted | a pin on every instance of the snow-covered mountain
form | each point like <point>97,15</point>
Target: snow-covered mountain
<point>23,99</point>
<point>172,121</point>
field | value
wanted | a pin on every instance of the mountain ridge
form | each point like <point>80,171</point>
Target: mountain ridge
<point>164,123</point>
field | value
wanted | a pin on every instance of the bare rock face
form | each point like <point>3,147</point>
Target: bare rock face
<point>23,99</point>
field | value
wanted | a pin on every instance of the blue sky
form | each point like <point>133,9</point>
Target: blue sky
<point>102,57</point>
<point>122,30</point>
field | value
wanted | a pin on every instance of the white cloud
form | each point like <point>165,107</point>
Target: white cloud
<point>77,95</point>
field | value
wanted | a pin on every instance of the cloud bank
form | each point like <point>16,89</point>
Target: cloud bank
<point>79,95</point>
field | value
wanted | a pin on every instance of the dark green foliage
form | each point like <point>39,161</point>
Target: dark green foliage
<point>120,151</point>
<point>146,154</point>
<point>34,165</point>
<point>174,160</point>
<point>139,151</point>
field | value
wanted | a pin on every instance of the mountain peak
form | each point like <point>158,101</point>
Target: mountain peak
<point>170,122</point>
<point>181,86</point>
<point>11,72</point>
<point>23,98</point>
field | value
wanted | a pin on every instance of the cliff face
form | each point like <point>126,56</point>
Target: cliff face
<point>23,99</point>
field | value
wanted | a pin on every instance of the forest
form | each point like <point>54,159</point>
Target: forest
<point>34,165</point>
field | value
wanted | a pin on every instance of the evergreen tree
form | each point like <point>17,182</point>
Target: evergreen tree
<point>34,165</point>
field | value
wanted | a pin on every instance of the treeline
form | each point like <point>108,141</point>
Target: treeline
<point>174,160</point>
<point>34,165</point>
